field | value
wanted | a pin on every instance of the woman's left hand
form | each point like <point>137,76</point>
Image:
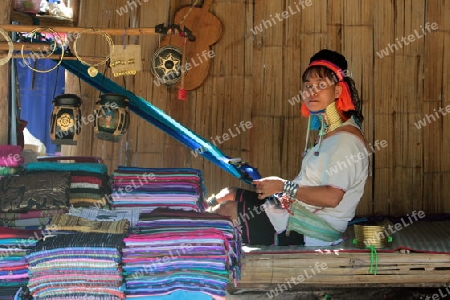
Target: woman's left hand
<point>268,186</point>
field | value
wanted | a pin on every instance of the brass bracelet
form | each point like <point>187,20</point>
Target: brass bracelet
<point>5,60</point>
<point>55,34</point>
<point>92,70</point>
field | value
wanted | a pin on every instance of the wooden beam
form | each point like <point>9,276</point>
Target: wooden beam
<point>75,5</point>
<point>5,9</point>
<point>26,46</point>
<point>85,30</point>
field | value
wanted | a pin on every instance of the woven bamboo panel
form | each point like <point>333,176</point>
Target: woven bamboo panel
<point>382,197</point>
<point>255,77</point>
<point>446,191</point>
<point>433,188</point>
<point>268,270</point>
<point>445,164</point>
<point>432,131</point>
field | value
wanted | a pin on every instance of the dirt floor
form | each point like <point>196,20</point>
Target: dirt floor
<point>351,294</point>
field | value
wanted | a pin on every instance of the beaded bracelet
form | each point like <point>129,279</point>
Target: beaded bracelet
<point>290,189</point>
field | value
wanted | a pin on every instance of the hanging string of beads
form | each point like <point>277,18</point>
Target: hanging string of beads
<point>188,12</point>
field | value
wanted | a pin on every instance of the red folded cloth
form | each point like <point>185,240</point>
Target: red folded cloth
<point>10,156</point>
<point>6,232</point>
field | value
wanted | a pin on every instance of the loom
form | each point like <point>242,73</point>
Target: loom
<point>161,120</point>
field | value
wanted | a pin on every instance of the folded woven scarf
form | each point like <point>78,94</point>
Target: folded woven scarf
<point>72,223</point>
<point>307,223</point>
<point>35,191</point>
<point>68,167</point>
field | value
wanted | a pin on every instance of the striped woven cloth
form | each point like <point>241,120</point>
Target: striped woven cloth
<point>77,266</point>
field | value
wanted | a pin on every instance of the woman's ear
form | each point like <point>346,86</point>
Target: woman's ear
<point>337,91</point>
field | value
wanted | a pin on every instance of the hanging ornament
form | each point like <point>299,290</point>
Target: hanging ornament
<point>112,117</point>
<point>125,60</point>
<point>92,71</point>
<point>65,122</point>
<point>166,64</point>
<point>202,29</point>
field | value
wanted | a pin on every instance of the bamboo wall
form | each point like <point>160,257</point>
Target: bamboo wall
<point>253,76</point>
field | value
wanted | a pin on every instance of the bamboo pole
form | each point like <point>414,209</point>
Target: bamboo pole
<point>91,59</point>
<point>85,30</point>
<point>5,9</point>
<point>41,49</point>
<point>26,46</point>
<point>38,47</point>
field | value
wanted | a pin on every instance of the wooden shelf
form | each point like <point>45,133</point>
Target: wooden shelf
<point>42,20</point>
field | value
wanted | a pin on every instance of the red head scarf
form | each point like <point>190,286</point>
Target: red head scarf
<point>344,102</point>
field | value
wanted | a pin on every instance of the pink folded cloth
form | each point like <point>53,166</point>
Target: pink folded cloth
<point>10,156</point>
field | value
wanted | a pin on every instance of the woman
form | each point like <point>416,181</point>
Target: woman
<point>315,207</point>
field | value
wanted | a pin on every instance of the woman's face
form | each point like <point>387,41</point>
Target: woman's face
<point>318,92</point>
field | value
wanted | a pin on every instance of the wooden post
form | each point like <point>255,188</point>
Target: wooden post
<point>5,10</point>
<point>75,5</point>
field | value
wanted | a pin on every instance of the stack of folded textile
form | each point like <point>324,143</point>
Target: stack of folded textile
<point>89,182</point>
<point>10,159</point>
<point>14,245</point>
<point>77,266</point>
<point>182,254</point>
<point>34,219</point>
<point>149,188</point>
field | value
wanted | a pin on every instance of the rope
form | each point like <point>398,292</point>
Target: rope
<point>188,12</point>
<point>182,93</point>
<point>373,260</point>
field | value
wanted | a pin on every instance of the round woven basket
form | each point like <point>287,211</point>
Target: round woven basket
<point>371,235</point>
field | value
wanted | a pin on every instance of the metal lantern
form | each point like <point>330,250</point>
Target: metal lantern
<point>65,122</point>
<point>112,117</point>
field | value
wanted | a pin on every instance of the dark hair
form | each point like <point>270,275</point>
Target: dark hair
<point>323,72</point>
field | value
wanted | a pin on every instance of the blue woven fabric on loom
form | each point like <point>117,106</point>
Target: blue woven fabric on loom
<point>156,117</point>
